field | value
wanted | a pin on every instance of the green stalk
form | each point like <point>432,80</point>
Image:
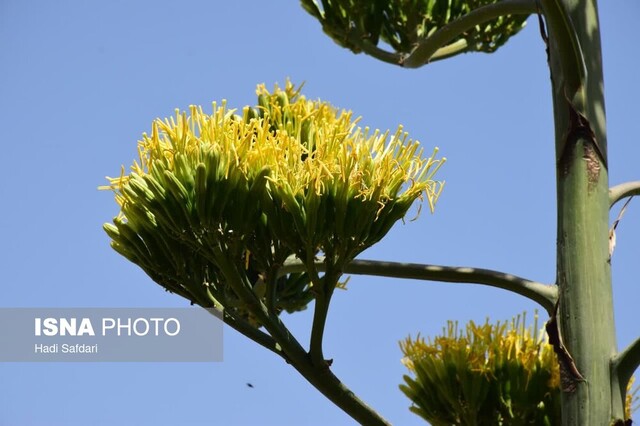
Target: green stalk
<point>321,310</point>
<point>543,294</point>
<point>585,312</point>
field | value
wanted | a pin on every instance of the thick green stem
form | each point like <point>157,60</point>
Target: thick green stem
<point>583,271</point>
<point>545,295</point>
<point>330,386</point>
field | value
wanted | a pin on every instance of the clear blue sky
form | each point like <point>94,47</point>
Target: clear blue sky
<point>81,80</point>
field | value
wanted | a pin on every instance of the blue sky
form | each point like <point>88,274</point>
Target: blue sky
<point>81,81</point>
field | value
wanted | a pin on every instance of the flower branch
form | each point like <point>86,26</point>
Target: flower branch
<point>623,365</point>
<point>544,294</point>
<point>321,309</point>
<point>624,190</point>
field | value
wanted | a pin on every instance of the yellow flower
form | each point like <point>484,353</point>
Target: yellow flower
<point>488,374</point>
<point>288,177</point>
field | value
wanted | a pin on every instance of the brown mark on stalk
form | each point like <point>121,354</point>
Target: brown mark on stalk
<point>569,374</point>
<point>580,130</point>
<point>579,126</point>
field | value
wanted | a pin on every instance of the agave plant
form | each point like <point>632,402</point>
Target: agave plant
<point>502,374</point>
<point>406,27</point>
<point>217,202</point>
<point>489,374</point>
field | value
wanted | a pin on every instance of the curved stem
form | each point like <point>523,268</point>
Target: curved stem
<point>374,51</point>
<point>428,47</point>
<point>320,309</point>
<point>624,364</point>
<point>622,191</point>
<point>449,50</point>
<point>328,284</point>
<point>543,294</point>
<point>320,312</point>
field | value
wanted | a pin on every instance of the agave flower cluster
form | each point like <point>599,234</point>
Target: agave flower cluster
<point>489,374</point>
<point>403,25</point>
<point>217,202</point>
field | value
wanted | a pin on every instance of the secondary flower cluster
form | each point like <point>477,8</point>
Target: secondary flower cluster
<point>486,375</point>
<point>217,202</point>
<point>403,25</point>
